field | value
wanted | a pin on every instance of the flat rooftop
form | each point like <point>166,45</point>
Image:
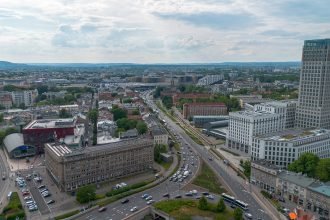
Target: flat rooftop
<point>266,164</point>
<point>251,113</point>
<point>296,178</point>
<point>51,123</point>
<point>294,134</point>
<point>322,188</point>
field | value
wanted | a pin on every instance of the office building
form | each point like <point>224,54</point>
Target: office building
<point>314,91</point>
<point>200,120</point>
<point>72,169</point>
<point>264,175</point>
<point>284,147</point>
<point>192,109</point>
<point>244,125</point>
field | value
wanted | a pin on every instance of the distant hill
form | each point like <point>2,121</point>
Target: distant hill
<point>9,65</point>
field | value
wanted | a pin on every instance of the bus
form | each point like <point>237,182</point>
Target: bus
<point>228,198</point>
<point>234,201</point>
<point>242,205</point>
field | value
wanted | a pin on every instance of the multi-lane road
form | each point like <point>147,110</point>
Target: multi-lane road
<point>4,184</point>
<point>117,210</point>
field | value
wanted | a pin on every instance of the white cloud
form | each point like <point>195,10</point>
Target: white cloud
<point>149,31</point>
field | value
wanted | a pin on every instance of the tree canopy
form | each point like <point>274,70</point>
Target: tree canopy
<point>306,164</point>
<point>86,194</point>
<point>118,113</point>
<point>202,203</point>
<point>141,127</point>
<point>238,214</point>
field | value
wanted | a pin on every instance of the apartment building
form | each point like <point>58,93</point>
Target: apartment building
<point>72,169</point>
<point>192,109</point>
<point>26,97</point>
<point>283,147</point>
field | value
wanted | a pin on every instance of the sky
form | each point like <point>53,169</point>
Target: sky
<point>159,31</point>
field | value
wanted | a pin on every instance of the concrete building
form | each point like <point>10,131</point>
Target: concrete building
<point>318,198</point>
<point>210,79</point>
<point>26,97</point>
<point>314,91</point>
<point>73,169</point>
<point>264,175</point>
<point>160,135</point>
<point>192,109</point>
<point>6,101</point>
<point>283,147</point>
<point>54,95</point>
<point>244,125</point>
<point>250,99</point>
<point>286,108</point>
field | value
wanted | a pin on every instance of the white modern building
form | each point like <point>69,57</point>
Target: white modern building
<point>286,108</point>
<point>209,80</point>
<point>314,91</point>
<point>26,97</point>
<point>283,147</point>
<point>244,125</point>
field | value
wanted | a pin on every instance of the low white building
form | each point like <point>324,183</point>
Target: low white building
<point>209,79</point>
<point>282,148</point>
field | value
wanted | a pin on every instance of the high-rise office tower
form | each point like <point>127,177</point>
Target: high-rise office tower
<point>314,90</point>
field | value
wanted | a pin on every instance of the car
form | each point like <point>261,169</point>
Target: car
<point>50,202</point>
<point>248,215</point>
<point>27,198</point>
<point>210,159</point>
<point>178,196</point>
<point>198,197</point>
<point>281,199</point>
<point>188,194</point>
<point>149,198</point>
<point>205,193</point>
<point>124,201</point>
<point>150,202</point>
<point>41,186</point>
<point>166,195</point>
<point>144,196</point>
<point>43,190</point>
<point>26,193</point>
<point>47,195</point>
<point>134,209</point>
<point>233,206</point>
<point>211,197</point>
<point>102,209</point>
<point>29,202</point>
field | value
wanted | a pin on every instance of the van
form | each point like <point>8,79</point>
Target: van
<point>9,194</point>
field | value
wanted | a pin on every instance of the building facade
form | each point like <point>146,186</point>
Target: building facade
<point>314,91</point>
<point>244,125</point>
<point>284,147</point>
<point>73,169</point>
<point>318,198</point>
<point>26,97</point>
<point>264,175</point>
<point>210,79</point>
<point>192,109</point>
<point>200,120</point>
<point>160,135</point>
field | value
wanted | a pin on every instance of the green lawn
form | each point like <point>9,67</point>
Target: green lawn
<point>166,165</point>
<point>14,209</point>
<point>183,209</point>
<point>208,180</point>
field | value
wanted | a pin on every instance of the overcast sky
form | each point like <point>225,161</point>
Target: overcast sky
<point>159,31</point>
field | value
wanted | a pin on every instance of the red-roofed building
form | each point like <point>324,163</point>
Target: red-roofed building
<point>216,108</point>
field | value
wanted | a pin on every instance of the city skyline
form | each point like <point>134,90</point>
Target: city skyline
<point>159,31</point>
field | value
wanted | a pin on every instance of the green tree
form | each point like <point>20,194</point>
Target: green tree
<point>1,118</point>
<point>238,214</point>
<point>93,115</point>
<point>86,194</point>
<point>118,113</point>
<point>135,112</point>
<point>221,207</point>
<point>323,170</point>
<point>22,106</point>
<point>64,113</point>
<point>158,149</point>
<point>158,91</point>
<point>306,164</point>
<point>202,204</point>
<point>42,88</point>
<point>141,127</point>
<point>167,101</point>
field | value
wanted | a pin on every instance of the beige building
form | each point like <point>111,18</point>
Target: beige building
<point>73,169</point>
<point>160,135</point>
<point>264,174</point>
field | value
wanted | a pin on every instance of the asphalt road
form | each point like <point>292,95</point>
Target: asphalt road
<point>4,184</point>
<point>118,211</point>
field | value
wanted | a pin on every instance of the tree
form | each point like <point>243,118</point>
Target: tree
<point>141,127</point>
<point>167,101</point>
<point>306,164</point>
<point>93,115</point>
<point>118,113</point>
<point>158,149</point>
<point>202,204</point>
<point>22,106</point>
<point>221,207</point>
<point>1,118</point>
<point>64,113</point>
<point>238,214</point>
<point>323,170</point>
<point>42,89</point>
<point>135,112</point>
<point>86,194</point>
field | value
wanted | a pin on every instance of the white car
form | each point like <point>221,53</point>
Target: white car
<point>134,209</point>
<point>248,215</point>
<point>150,202</point>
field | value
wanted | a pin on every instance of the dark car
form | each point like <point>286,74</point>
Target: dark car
<point>124,201</point>
<point>51,202</point>
<point>205,193</point>
<point>166,195</point>
<point>178,197</point>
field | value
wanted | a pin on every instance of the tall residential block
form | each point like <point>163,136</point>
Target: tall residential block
<point>314,90</point>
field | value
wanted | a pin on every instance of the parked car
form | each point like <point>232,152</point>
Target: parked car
<point>248,215</point>
<point>50,202</point>
<point>102,209</point>
<point>124,201</point>
<point>134,209</point>
<point>150,202</point>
